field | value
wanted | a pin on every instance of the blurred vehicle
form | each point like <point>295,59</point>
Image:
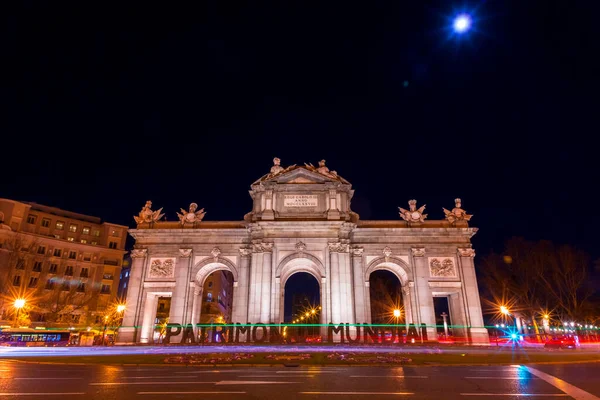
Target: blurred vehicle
<point>562,342</point>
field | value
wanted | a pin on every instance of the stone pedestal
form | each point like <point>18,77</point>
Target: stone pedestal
<point>129,330</point>
<point>423,293</point>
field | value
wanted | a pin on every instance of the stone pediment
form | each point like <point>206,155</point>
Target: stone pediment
<point>297,174</point>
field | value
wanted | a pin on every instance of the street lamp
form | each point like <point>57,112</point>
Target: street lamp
<point>120,308</point>
<point>397,314</point>
<point>19,303</point>
<point>462,23</point>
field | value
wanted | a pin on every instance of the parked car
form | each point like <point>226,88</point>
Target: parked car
<point>562,342</point>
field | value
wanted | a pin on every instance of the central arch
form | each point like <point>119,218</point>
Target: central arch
<point>292,264</point>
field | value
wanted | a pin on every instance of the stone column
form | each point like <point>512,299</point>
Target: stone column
<point>477,331</point>
<point>424,297</point>
<point>367,288</point>
<point>181,290</point>
<point>254,285</point>
<point>458,322</point>
<point>359,286</point>
<point>336,315</point>
<point>128,333</point>
<point>265,300</point>
<point>196,307</point>
<point>239,312</point>
<point>149,314</point>
<point>406,302</point>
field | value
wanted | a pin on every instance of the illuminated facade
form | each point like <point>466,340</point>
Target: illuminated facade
<point>301,221</point>
<point>66,265</point>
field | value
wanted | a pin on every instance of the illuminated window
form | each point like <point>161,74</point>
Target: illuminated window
<point>96,232</point>
<point>60,225</point>
<point>94,243</point>
<point>86,230</point>
<point>209,297</point>
<point>31,219</point>
<point>114,233</point>
<point>83,241</point>
<point>46,223</point>
<point>56,236</point>
<point>73,228</point>
<point>71,239</point>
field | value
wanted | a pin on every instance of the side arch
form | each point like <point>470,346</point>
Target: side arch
<point>211,264</point>
<point>392,264</point>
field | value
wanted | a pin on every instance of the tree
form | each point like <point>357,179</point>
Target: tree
<point>65,297</point>
<point>538,277</point>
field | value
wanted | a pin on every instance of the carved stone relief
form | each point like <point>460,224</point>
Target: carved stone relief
<point>466,252</point>
<point>185,253</point>
<point>338,247</point>
<point>387,252</point>
<point>418,251</point>
<point>442,267</point>
<point>245,251</point>
<point>216,252</point>
<point>300,247</point>
<point>358,251</point>
<point>263,247</point>
<point>162,268</point>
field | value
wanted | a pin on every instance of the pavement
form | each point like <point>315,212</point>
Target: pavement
<point>53,381</point>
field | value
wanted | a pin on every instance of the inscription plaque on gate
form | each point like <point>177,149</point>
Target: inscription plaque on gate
<point>300,200</point>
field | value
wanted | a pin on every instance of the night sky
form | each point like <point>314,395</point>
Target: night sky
<point>105,108</point>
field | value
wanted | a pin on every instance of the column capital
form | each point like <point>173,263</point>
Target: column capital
<point>185,253</point>
<point>245,251</point>
<point>418,251</point>
<point>358,251</point>
<point>338,247</point>
<point>466,252</point>
<point>139,253</point>
<point>406,290</point>
<point>262,247</point>
<point>197,290</point>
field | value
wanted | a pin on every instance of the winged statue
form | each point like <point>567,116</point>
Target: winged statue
<point>146,215</point>
<point>413,214</point>
<point>192,216</point>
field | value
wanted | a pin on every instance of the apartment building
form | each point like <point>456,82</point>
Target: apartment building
<point>65,265</point>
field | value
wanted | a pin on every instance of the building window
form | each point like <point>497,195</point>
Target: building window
<point>84,273</point>
<point>107,276</point>
<point>127,274</point>
<point>31,219</point>
<point>56,236</point>
<point>65,286</point>
<point>83,241</point>
<point>20,264</point>
<point>112,245</point>
<point>69,270</point>
<point>94,243</point>
<point>125,285</point>
<point>96,232</point>
<point>37,266</point>
<point>41,250</point>
<point>81,287</point>
<point>210,284</point>
<point>45,223</point>
<point>209,297</point>
<point>105,289</point>
<point>73,228</point>
<point>49,284</point>
<point>17,280</point>
<point>72,255</point>
<point>71,239</point>
<point>33,281</point>
<point>57,252</point>
<point>60,225</point>
<point>53,268</point>
<point>86,230</point>
<point>87,257</point>
<point>114,233</point>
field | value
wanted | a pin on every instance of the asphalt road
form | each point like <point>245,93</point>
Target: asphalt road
<point>53,381</point>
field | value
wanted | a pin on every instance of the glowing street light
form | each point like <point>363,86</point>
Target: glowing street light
<point>462,23</point>
<point>397,313</point>
<point>19,303</point>
<point>120,308</point>
<point>504,310</point>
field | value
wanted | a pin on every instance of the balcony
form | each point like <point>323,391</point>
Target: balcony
<point>108,277</point>
<point>111,262</point>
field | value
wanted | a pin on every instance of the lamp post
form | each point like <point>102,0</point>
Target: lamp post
<point>19,303</point>
<point>397,314</point>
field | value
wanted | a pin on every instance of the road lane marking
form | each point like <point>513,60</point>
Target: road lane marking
<point>274,377</point>
<point>154,393</point>
<point>517,394</point>
<point>42,394</point>
<point>359,393</point>
<point>387,376</point>
<point>252,382</point>
<point>147,383</point>
<point>500,377</point>
<point>307,372</point>
<point>571,390</point>
<point>202,372</point>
